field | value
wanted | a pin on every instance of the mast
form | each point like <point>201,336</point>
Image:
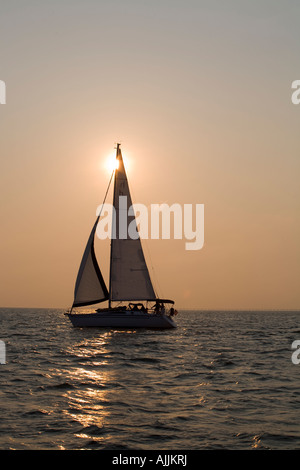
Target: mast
<point>112,228</point>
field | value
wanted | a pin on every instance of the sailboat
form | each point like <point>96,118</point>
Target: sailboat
<point>129,279</point>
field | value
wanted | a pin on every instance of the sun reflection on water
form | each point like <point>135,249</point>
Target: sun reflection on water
<point>88,398</point>
<point>93,390</point>
<point>88,407</point>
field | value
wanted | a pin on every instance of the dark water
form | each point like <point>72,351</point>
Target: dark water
<point>220,380</point>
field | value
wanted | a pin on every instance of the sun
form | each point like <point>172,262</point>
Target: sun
<point>111,163</point>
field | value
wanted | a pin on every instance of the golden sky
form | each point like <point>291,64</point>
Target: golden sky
<point>199,94</point>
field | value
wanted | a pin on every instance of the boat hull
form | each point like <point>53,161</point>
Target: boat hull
<point>121,320</point>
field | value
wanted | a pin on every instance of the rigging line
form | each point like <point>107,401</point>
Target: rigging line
<point>153,276</point>
<point>106,193</point>
<point>158,290</point>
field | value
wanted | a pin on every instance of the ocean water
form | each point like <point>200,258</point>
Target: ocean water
<point>221,380</point>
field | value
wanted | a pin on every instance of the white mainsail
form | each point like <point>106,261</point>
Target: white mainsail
<point>90,287</point>
<point>129,275</point>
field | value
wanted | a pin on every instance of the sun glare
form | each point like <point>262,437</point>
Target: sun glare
<point>111,163</point>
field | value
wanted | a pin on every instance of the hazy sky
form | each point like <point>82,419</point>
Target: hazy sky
<point>199,94</point>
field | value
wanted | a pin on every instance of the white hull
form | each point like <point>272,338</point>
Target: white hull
<point>126,319</point>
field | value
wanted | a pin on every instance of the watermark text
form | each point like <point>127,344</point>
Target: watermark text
<point>2,352</point>
<point>296,94</point>
<point>296,354</point>
<point>2,92</point>
<point>160,221</point>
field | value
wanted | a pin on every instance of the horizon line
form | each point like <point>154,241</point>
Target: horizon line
<point>244,309</point>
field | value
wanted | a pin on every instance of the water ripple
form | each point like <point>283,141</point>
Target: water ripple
<point>220,380</point>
